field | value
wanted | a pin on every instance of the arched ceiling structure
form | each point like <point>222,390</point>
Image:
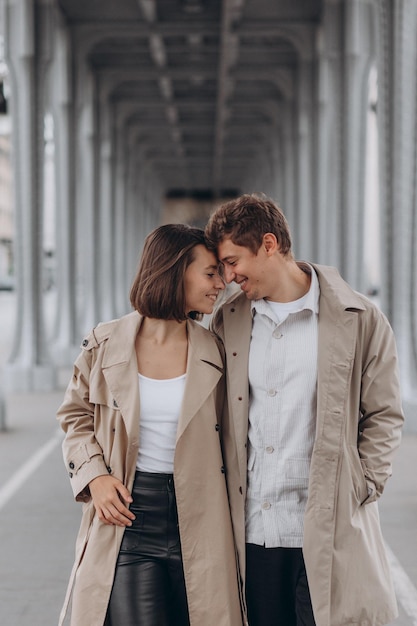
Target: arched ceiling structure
<point>199,82</point>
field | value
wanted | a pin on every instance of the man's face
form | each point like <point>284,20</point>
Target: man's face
<point>241,265</point>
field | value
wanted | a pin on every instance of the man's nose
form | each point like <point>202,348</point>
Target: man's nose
<point>219,283</point>
<point>228,274</point>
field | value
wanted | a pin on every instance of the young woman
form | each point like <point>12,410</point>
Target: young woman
<point>142,417</point>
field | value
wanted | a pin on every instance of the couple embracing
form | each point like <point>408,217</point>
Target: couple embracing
<point>230,476</point>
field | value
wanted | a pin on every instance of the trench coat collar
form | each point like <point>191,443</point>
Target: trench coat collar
<point>120,346</point>
<point>334,289</point>
<point>121,341</point>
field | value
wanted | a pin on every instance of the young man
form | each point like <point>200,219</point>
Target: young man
<point>315,418</point>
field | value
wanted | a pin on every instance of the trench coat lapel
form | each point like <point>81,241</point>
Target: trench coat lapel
<point>204,370</point>
<point>121,371</point>
<point>337,332</point>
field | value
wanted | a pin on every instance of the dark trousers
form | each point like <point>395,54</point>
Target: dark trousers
<point>149,587</point>
<point>277,591</point>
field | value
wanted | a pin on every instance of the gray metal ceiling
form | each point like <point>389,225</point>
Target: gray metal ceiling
<point>202,80</point>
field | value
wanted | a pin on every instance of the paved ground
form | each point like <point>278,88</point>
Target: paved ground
<point>39,519</point>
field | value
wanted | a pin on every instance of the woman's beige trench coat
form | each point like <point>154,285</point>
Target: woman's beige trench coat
<point>347,569</point>
<point>100,415</point>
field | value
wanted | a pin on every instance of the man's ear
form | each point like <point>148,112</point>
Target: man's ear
<point>270,243</point>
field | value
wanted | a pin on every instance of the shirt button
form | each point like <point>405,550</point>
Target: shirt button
<point>277,334</point>
<point>266,505</point>
<point>269,449</point>
<point>272,392</point>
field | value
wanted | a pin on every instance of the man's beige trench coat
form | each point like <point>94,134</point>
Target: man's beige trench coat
<point>100,415</point>
<point>359,418</point>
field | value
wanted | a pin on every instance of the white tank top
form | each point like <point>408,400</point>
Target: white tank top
<point>160,406</point>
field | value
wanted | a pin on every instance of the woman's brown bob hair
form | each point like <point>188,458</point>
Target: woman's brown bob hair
<point>158,288</point>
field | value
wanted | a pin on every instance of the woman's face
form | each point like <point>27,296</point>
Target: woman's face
<point>202,282</point>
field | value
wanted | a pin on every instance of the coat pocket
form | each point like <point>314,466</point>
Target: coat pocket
<point>358,478</point>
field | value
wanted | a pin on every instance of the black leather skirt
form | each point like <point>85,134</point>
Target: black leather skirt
<point>149,587</point>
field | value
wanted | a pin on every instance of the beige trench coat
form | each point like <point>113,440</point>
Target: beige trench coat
<point>346,564</point>
<point>100,415</point>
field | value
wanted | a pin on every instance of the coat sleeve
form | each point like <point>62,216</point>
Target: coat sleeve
<point>83,455</point>
<point>381,415</point>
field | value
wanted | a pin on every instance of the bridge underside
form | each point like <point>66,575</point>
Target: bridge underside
<point>158,109</point>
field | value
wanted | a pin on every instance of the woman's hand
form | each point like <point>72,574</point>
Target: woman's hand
<point>109,497</point>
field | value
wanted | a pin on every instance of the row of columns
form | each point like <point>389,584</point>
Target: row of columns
<point>107,198</point>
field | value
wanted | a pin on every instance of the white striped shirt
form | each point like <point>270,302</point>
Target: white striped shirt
<point>282,417</point>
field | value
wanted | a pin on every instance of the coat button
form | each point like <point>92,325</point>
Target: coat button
<point>85,342</point>
<point>109,470</point>
<point>71,474</point>
<point>217,427</point>
<point>240,490</point>
<point>71,465</point>
<point>115,404</point>
<point>223,469</point>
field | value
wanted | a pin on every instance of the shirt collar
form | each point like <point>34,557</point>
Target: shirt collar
<point>312,297</point>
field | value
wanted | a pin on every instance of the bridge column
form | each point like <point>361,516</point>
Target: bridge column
<point>66,338</point>
<point>397,118</point>
<point>106,242</point>
<point>28,50</point>
<point>87,192</point>
<point>306,211</point>
<point>357,59</point>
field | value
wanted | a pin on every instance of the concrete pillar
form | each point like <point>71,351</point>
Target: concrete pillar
<point>105,208</point>
<point>397,119</point>
<point>305,225</point>
<point>346,49</point>
<point>277,161</point>
<point>120,172</point>
<point>327,168</point>
<point>357,59</point>
<point>67,338</point>
<point>134,211</point>
<point>87,231</point>
<point>288,200</point>
<point>28,51</point>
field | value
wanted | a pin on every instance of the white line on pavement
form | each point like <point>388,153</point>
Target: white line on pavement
<point>9,489</point>
<point>405,590</point>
